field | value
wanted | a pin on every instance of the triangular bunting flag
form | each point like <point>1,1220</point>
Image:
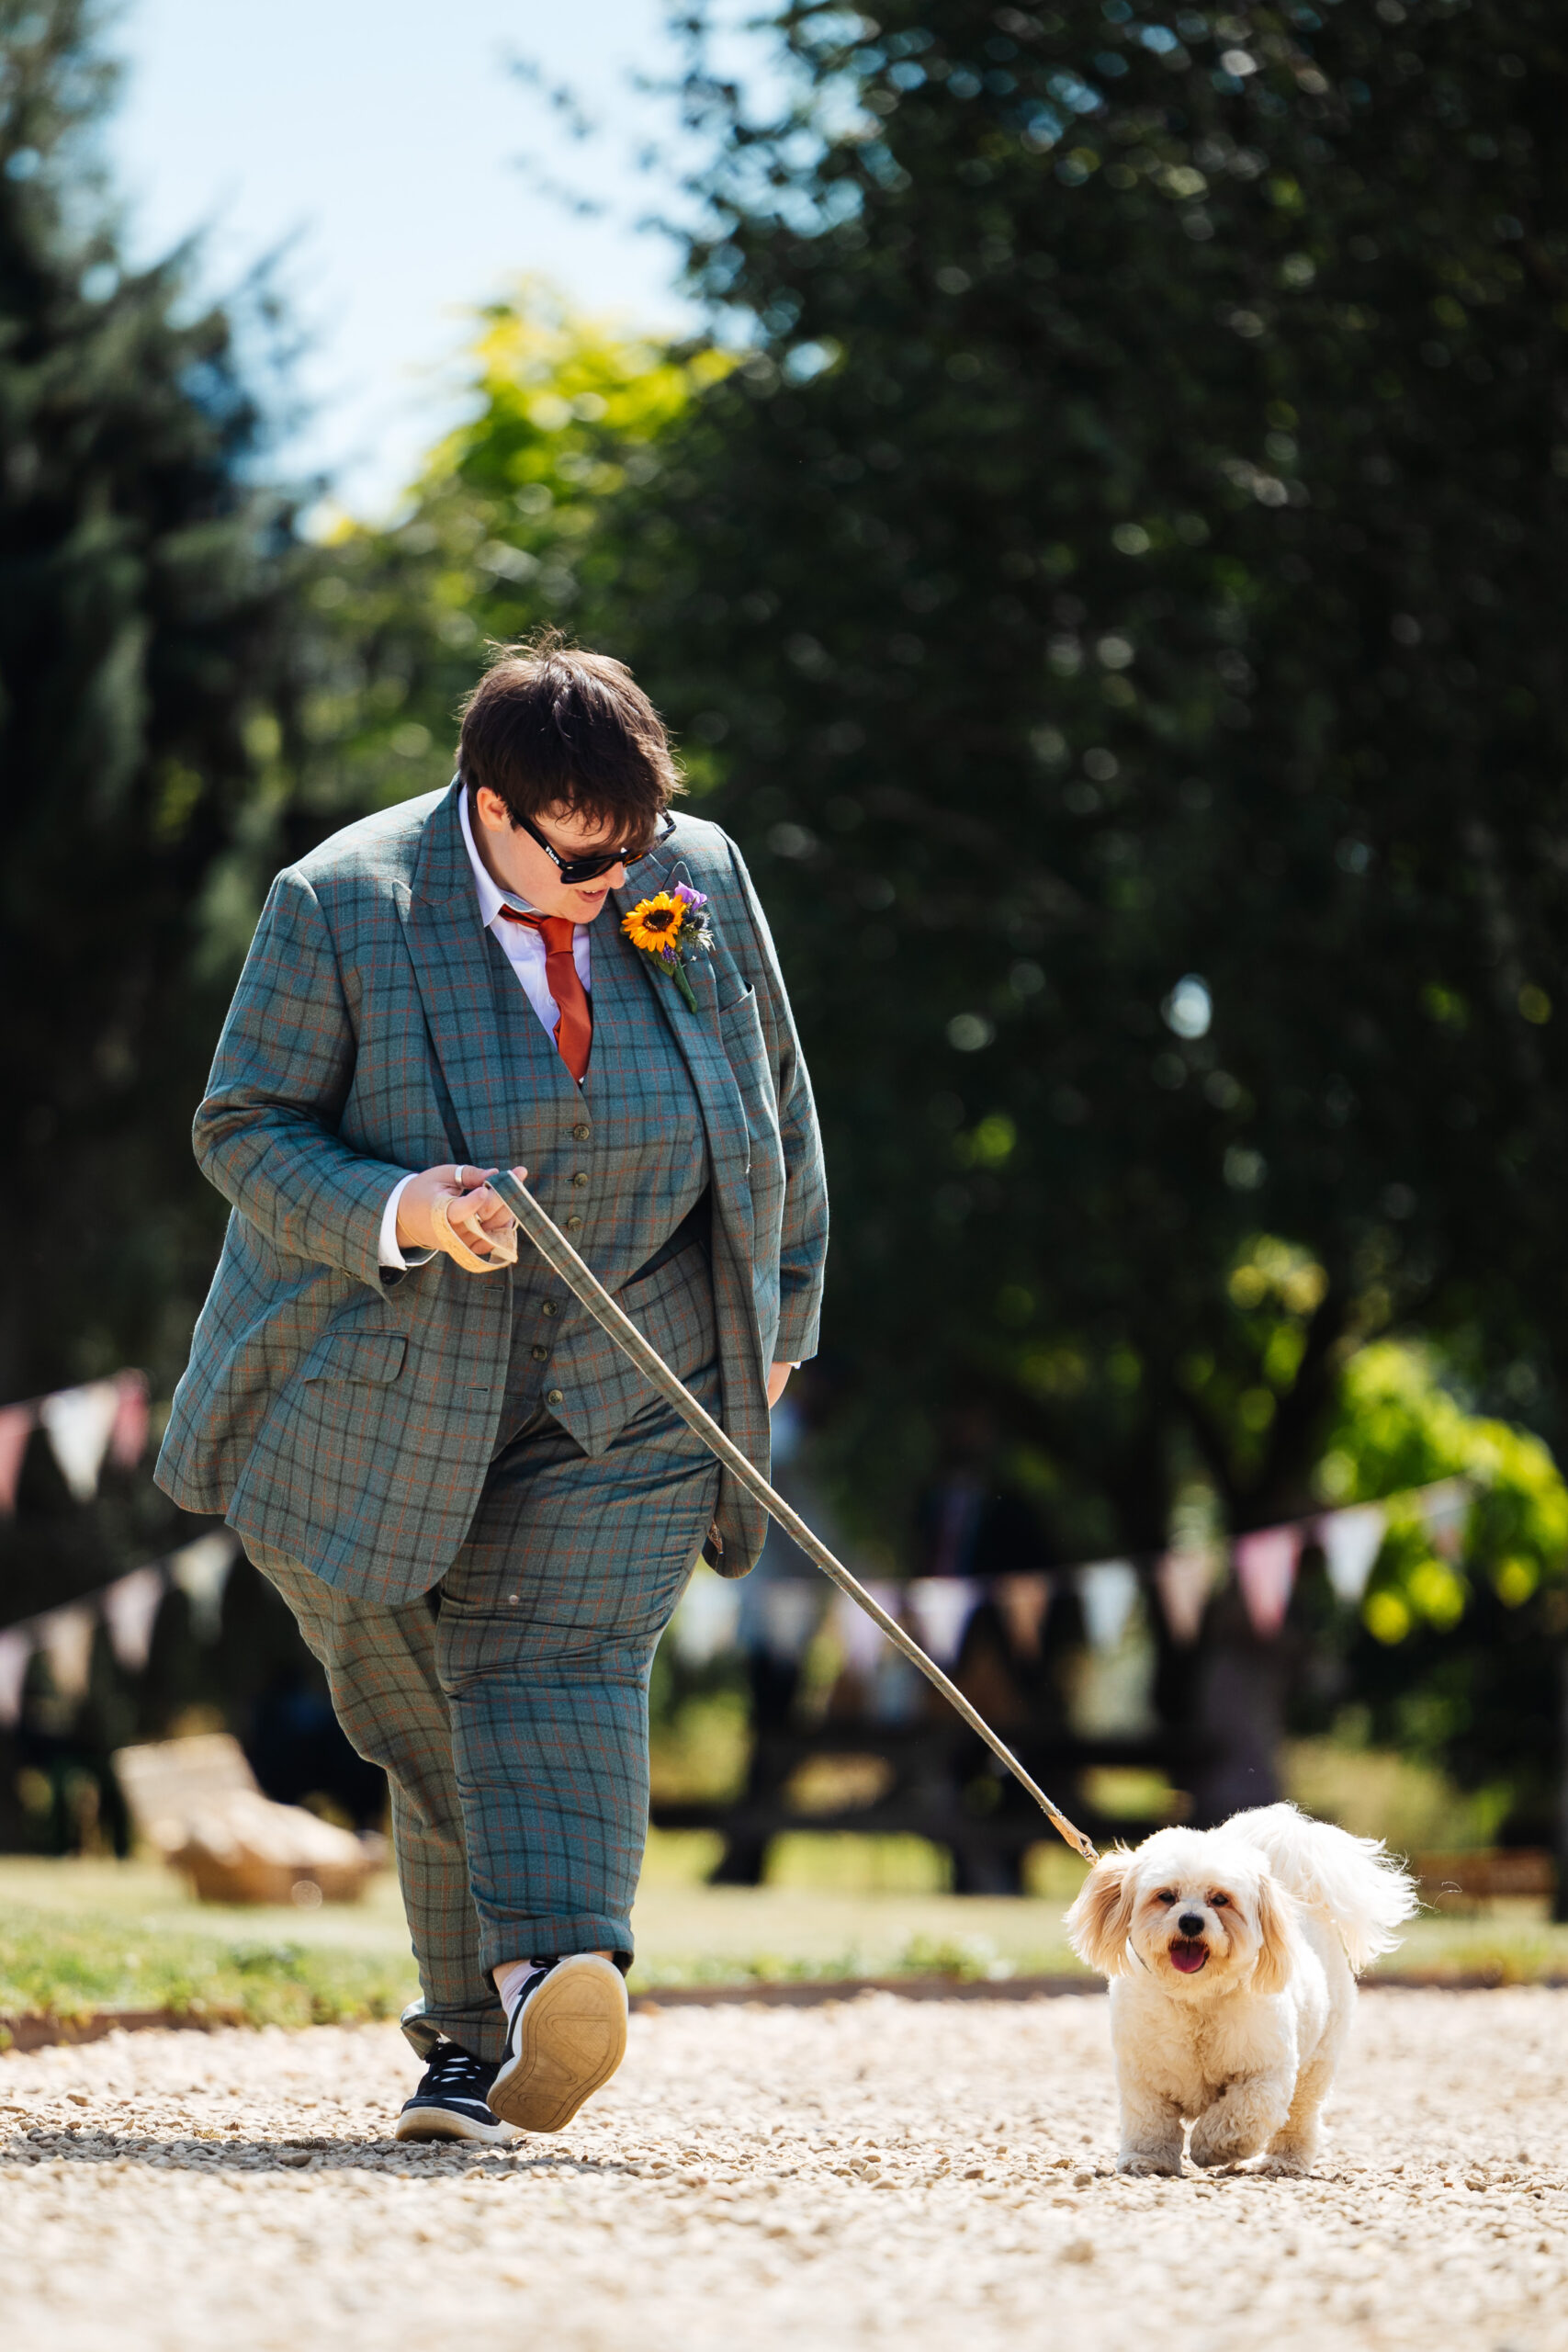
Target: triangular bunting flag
<point>15,1649</point>
<point>1022,1601</point>
<point>1351,1541</point>
<point>941,1607</point>
<point>791,1611</point>
<point>80,1422</point>
<point>862,1642</point>
<point>1266,1571</point>
<point>201,1571</point>
<point>1445,1511</point>
<point>66,1636</point>
<point>1108,1589</point>
<point>1182,1581</point>
<point>129,1607</point>
<point>704,1625</point>
<point>17,1424</point>
<point>127,1438</point>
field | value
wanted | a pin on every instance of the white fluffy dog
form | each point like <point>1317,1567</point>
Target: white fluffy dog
<point>1232,1955</point>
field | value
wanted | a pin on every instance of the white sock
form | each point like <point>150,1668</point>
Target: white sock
<point>516,1979</point>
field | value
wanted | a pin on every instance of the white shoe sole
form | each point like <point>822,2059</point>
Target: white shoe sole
<point>441,2123</point>
<point>572,2037</point>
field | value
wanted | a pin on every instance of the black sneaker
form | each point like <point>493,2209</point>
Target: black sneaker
<point>451,2103</point>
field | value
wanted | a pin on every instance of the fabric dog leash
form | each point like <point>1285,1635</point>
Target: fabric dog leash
<point>562,1259</point>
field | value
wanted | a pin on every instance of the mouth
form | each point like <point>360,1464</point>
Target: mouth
<point>1188,1953</point>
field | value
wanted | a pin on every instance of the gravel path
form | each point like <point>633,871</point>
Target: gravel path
<point>866,2173</point>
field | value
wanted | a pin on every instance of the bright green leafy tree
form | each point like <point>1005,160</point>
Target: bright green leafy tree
<point>509,526</point>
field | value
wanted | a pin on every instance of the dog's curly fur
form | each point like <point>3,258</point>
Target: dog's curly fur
<point>1232,1955</point>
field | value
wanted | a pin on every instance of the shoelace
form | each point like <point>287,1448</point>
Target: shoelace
<point>451,2069</point>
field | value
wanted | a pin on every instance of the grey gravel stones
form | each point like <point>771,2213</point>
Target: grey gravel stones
<point>873,2172</point>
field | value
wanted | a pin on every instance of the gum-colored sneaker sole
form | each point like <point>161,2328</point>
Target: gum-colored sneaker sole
<point>572,2037</point>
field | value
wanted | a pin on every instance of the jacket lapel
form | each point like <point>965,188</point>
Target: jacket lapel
<point>451,955</point>
<point>697,1035</point>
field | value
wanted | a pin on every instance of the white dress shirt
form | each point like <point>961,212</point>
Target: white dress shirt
<point>524,948</point>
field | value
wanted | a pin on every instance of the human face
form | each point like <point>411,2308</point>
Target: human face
<point>520,865</point>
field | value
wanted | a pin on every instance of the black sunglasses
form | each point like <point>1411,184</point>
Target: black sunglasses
<point>599,861</point>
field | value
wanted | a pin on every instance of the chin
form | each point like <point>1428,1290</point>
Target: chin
<point>1232,1956</point>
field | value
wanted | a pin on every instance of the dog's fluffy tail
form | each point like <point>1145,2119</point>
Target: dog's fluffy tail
<point>1354,1882</point>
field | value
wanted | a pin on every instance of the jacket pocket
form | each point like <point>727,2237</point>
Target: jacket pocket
<point>741,1018</point>
<point>376,1357</point>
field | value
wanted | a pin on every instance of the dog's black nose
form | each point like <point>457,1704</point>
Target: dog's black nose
<point>1191,1924</point>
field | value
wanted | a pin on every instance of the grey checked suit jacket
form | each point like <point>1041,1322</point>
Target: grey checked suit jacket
<point>364,1019</point>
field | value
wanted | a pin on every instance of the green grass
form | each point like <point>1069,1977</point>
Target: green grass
<point>81,1936</point>
<point>77,1937</point>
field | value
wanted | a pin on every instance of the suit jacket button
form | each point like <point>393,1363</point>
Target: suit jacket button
<point>555,1395</point>
<point>581,1132</point>
<point>574,1225</point>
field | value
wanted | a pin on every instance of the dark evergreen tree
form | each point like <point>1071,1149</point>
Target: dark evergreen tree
<point>1126,586</point>
<point>141,636</point>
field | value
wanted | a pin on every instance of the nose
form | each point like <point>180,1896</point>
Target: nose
<point>1190,1923</point>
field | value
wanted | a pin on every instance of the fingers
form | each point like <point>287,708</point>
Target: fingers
<point>481,1218</point>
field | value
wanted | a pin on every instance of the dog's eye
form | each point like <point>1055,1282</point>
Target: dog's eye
<point>1165,1895</point>
<point>1218,1902</point>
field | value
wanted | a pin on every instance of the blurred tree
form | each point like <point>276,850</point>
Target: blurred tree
<point>513,522</point>
<point>1457,1659</point>
<point>141,628</point>
<point>1123,585</point>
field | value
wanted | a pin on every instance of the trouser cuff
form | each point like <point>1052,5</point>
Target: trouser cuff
<point>524,1938</point>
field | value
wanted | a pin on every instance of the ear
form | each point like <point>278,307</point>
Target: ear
<point>1275,1953</point>
<point>1100,1920</point>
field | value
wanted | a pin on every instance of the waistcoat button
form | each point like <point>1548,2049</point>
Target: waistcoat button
<point>549,1307</point>
<point>540,1354</point>
<point>555,1395</point>
<point>581,1132</point>
<point>574,1225</point>
<point>580,1180</point>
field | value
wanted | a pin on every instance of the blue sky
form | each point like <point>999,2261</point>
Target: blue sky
<point>383,135</point>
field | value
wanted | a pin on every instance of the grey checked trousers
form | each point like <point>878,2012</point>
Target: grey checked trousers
<point>509,1707</point>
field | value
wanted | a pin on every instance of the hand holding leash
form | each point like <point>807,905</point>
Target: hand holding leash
<point>451,1208</point>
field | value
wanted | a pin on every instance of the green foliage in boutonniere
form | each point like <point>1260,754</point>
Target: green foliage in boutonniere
<point>674,930</point>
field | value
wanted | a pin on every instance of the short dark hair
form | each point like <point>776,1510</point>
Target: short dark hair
<point>550,725</point>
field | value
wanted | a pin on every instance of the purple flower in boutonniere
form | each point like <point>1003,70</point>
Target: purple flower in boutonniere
<point>673,929</point>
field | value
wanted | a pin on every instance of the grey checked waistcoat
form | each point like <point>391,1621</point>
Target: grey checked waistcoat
<point>620,1165</point>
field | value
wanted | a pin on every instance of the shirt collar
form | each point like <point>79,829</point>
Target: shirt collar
<point>492,897</point>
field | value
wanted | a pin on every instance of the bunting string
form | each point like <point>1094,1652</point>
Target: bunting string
<point>84,1425</point>
<point>782,1616</point>
<point>127,1609</point>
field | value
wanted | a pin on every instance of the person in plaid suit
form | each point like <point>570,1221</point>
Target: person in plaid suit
<point>481,1516</point>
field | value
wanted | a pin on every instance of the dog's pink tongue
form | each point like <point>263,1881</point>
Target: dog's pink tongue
<point>1188,1957</point>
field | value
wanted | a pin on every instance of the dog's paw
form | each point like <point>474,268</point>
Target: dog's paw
<point>1286,2163</point>
<point>1151,2164</point>
<point>1214,2149</point>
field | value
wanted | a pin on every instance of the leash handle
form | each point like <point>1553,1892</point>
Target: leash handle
<point>562,1259</point>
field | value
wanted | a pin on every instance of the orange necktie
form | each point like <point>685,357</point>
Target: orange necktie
<point>575,1031</point>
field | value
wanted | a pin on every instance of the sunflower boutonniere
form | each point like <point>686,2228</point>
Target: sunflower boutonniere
<point>673,931</point>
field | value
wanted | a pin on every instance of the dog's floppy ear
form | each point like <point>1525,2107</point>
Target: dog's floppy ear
<point>1275,1952</point>
<point>1098,1922</point>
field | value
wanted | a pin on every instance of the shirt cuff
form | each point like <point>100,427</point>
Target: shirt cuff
<point>389,1256</point>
